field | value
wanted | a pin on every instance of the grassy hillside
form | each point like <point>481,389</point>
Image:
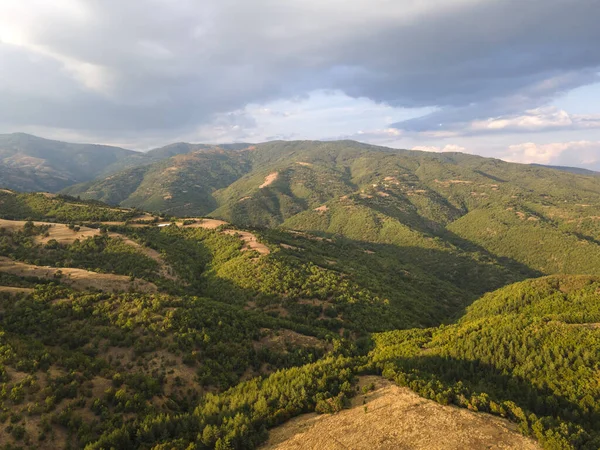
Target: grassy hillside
<point>189,350</point>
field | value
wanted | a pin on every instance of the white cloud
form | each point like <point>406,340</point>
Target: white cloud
<point>576,153</point>
<point>446,148</point>
<point>538,119</point>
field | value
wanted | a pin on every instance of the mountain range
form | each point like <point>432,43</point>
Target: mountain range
<point>198,296</point>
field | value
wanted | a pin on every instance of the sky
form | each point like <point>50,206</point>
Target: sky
<point>513,79</point>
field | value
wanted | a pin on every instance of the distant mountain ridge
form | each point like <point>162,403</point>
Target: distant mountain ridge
<point>577,170</point>
<point>30,163</point>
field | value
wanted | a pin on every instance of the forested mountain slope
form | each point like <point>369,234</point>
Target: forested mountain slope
<point>30,163</point>
<point>129,329</point>
<point>340,283</point>
<point>201,339</point>
<point>543,218</point>
<point>530,352</point>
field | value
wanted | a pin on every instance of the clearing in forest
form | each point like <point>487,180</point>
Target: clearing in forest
<point>59,231</point>
<point>250,240</point>
<point>269,179</point>
<point>76,278</point>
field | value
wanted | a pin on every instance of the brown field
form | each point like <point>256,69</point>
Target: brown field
<point>76,278</point>
<point>397,418</point>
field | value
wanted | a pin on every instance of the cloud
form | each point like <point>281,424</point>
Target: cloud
<point>542,119</point>
<point>533,120</point>
<point>114,68</point>
<point>446,148</point>
<point>577,153</point>
<point>524,100</point>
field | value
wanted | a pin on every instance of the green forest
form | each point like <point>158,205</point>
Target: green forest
<point>222,291</point>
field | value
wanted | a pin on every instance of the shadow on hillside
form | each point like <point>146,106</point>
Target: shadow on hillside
<point>463,378</point>
<point>452,278</point>
<point>425,287</point>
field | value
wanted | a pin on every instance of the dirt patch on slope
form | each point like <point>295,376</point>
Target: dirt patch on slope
<point>209,224</point>
<point>76,278</point>
<point>164,269</point>
<point>397,418</point>
<point>269,179</point>
<point>250,241</point>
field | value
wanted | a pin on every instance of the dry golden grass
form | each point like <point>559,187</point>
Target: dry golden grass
<point>77,278</point>
<point>209,224</point>
<point>290,247</point>
<point>397,418</point>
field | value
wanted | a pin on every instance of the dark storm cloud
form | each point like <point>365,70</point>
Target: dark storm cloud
<point>111,66</point>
